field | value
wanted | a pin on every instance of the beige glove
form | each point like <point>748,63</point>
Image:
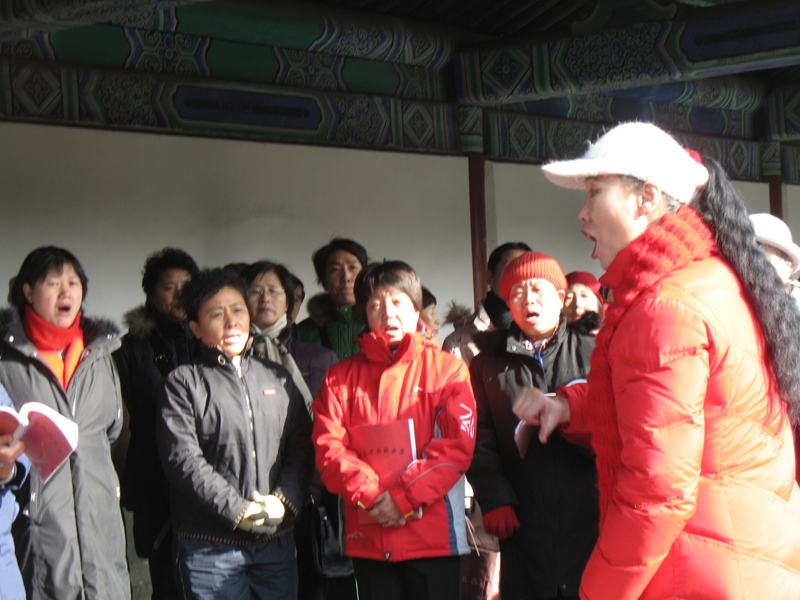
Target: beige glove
<point>254,517</point>
<point>271,504</point>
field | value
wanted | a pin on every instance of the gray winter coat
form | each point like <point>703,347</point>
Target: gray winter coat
<point>77,542</point>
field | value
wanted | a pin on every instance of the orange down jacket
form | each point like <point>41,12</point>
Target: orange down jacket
<point>706,505</point>
<point>419,382</point>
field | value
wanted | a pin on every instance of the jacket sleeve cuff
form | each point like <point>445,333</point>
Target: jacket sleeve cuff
<point>293,508</point>
<point>398,494</point>
<point>578,424</point>
<point>239,517</point>
<point>368,497</point>
<point>10,479</point>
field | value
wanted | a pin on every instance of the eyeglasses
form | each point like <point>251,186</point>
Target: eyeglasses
<point>273,292</point>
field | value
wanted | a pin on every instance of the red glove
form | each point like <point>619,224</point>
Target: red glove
<point>502,521</point>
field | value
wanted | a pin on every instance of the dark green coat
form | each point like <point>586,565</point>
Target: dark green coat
<point>333,327</point>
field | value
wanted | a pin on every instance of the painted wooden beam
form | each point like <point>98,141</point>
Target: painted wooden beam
<point>43,91</point>
<point>182,54</point>
<point>16,16</point>
<point>646,54</point>
<point>784,114</point>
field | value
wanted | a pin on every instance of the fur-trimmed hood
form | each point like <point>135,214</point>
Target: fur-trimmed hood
<point>144,323</point>
<point>321,310</point>
<point>318,307</point>
<point>140,322</point>
<point>493,341</point>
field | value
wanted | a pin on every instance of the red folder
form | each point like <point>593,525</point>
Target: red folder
<point>389,449</point>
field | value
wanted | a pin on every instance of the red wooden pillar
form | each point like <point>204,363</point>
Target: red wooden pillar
<point>477,223</point>
<point>775,195</point>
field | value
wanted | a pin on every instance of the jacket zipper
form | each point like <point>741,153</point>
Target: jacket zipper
<point>240,374</point>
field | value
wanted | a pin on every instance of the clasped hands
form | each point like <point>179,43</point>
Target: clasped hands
<point>385,511</point>
<point>535,407</point>
<point>263,515</point>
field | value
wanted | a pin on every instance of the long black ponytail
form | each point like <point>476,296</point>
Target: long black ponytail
<point>724,211</point>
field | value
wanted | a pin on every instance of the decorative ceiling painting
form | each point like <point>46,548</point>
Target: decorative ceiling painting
<point>513,80</point>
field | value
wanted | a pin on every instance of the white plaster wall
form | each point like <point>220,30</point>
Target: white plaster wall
<point>756,195</point>
<point>531,209</point>
<point>791,209</point>
<point>114,197</point>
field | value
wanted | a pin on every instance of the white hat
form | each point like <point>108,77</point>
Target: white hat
<point>771,231</point>
<point>640,150</point>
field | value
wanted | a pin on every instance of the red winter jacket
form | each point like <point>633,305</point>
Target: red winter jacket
<point>705,505</point>
<point>372,387</point>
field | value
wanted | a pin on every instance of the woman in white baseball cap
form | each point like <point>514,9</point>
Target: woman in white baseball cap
<point>695,371</point>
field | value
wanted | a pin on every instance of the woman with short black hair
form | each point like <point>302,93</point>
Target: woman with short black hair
<point>51,353</point>
<point>405,531</point>
<point>234,439</point>
<point>270,300</point>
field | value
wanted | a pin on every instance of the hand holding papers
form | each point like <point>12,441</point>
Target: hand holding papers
<point>389,449</point>
<point>49,436</point>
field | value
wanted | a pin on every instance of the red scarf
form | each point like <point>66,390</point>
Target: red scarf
<point>50,340</point>
<point>677,240</point>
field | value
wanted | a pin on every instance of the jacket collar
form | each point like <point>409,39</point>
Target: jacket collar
<point>212,354</point>
<point>481,319</point>
<point>518,343</point>
<point>100,335</point>
<point>144,321</point>
<point>376,349</point>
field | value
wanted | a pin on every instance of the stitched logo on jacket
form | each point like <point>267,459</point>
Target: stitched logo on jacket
<point>467,421</point>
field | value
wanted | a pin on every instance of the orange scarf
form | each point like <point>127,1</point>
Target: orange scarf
<point>51,341</point>
<point>671,244</point>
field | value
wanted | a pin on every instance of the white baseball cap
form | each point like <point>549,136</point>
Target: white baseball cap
<point>640,150</point>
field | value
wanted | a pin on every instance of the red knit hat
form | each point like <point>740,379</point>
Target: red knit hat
<point>532,265</point>
<point>588,280</point>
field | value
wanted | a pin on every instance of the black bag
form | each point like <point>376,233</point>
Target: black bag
<point>326,549</point>
<point>149,532</point>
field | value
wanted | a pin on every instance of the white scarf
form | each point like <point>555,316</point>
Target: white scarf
<point>266,345</point>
